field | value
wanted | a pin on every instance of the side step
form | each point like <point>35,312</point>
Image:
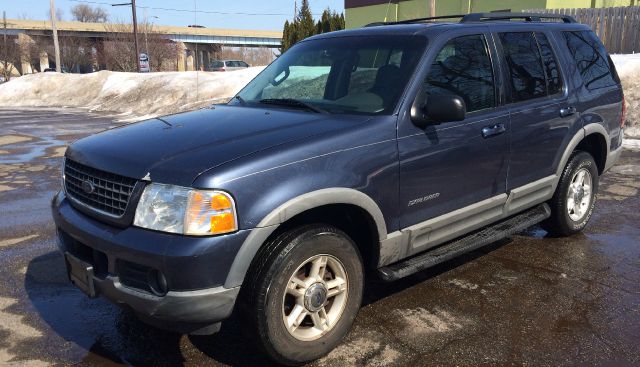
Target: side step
<point>475,240</point>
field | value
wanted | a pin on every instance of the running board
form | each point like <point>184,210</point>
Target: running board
<point>462,245</point>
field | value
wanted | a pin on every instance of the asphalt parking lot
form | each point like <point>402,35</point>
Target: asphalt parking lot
<point>528,300</point>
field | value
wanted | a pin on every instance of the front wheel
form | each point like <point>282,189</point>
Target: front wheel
<point>304,293</point>
<point>575,197</point>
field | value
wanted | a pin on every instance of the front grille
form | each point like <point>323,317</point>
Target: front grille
<point>110,192</point>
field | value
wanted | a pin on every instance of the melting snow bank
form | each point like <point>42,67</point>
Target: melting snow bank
<point>133,96</point>
<point>628,67</point>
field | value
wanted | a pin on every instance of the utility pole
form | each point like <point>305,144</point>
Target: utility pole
<point>4,34</point>
<point>135,33</point>
<point>135,30</point>
<point>432,8</point>
<point>56,45</point>
<point>146,25</point>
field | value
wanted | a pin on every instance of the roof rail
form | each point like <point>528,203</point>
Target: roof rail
<point>528,17</point>
<point>416,20</point>
<point>479,17</point>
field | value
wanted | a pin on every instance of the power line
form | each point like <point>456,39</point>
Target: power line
<point>189,10</point>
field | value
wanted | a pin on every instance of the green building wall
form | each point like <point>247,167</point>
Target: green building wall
<point>357,17</point>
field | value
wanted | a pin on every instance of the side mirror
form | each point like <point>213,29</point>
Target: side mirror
<point>437,108</point>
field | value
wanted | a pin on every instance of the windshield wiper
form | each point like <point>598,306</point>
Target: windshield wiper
<point>291,102</point>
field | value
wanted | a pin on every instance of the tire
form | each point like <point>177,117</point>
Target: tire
<point>269,301</point>
<point>567,219</point>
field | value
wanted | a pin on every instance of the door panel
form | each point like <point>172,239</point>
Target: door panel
<point>540,114</point>
<point>537,136</point>
<point>449,167</point>
<point>452,165</point>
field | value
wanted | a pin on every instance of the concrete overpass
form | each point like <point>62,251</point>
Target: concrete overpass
<point>197,43</point>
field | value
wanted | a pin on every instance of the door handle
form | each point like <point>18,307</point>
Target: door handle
<point>567,111</point>
<point>493,130</point>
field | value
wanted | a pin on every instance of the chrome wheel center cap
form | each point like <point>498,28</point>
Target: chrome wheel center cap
<point>315,297</point>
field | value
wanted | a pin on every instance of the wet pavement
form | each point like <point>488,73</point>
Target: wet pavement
<point>528,300</point>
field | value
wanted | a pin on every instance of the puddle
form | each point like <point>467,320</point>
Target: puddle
<point>35,149</point>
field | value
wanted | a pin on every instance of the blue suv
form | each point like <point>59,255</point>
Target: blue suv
<point>385,150</point>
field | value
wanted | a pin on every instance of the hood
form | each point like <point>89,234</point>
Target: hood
<point>176,149</point>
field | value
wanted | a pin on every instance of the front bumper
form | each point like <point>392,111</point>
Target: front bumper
<point>195,268</point>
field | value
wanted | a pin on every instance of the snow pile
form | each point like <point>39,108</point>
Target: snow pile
<point>628,67</point>
<point>147,95</point>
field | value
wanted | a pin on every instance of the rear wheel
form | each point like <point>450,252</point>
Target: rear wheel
<point>575,197</point>
<point>303,293</point>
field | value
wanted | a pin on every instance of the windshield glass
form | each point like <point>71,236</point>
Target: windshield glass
<point>357,75</point>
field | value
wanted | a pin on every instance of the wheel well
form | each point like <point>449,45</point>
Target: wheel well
<point>356,222</point>
<point>596,145</point>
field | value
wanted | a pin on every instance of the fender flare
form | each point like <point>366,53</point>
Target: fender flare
<point>592,128</point>
<point>288,210</point>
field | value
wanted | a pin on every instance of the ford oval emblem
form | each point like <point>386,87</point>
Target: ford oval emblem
<point>87,187</point>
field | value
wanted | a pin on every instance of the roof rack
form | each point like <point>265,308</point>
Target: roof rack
<point>416,20</point>
<point>527,17</point>
<point>480,17</point>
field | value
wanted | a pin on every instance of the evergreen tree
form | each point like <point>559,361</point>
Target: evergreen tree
<point>286,35</point>
<point>304,26</point>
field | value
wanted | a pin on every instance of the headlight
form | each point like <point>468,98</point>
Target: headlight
<point>177,209</point>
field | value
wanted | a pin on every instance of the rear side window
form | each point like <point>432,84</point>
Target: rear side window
<point>525,65</point>
<point>550,64</point>
<point>218,64</point>
<point>463,67</point>
<point>591,58</point>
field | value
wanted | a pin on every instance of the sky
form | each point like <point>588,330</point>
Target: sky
<point>240,14</point>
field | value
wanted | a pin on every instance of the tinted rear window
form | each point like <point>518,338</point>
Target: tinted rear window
<point>591,58</point>
<point>525,65</point>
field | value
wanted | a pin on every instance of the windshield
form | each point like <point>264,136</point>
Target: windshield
<point>357,75</point>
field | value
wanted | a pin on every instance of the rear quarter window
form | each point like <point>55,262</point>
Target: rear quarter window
<point>591,59</point>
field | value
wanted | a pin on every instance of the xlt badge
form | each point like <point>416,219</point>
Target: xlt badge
<point>423,199</point>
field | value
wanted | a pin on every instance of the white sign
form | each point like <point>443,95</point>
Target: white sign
<point>144,63</point>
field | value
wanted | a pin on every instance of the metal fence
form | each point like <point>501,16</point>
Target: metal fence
<point>618,28</point>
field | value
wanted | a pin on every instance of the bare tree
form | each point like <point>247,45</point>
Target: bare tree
<point>77,54</point>
<point>119,48</point>
<point>9,57</point>
<point>87,14</point>
<point>59,14</point>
